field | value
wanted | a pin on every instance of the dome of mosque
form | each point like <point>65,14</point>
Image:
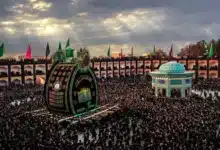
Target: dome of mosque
<point>172,67</point>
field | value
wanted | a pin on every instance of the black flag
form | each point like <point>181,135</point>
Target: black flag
<point>47,50</point>
<point>47,54</point>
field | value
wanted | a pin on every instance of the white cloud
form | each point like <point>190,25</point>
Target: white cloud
<point>10,30</point>
<point>135,21</point>
<point>35,26</point>
<point>83,14</point>
<point>29,6</point>
<point>41,5</point>
<point>32,1</point>
<point>99,26</point>
<point>7,23</point>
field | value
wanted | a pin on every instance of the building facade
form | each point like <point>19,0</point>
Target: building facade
<point>26,71</point>
<point>172,78</point>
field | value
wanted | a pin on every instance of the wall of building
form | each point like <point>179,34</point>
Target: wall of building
<point>109,68</point>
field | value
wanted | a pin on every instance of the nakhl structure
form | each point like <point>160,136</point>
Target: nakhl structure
<point>172,80</point>
<point>71,86</point>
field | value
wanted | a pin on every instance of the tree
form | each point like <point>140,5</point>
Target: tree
<point>217,48</point>
<point>201,48</point>
<point>160,54</point>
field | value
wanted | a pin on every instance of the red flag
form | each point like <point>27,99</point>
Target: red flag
<point>28,52</point>
<point>171,51</point>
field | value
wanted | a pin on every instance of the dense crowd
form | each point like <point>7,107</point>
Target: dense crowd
<point>141,122</point>
<point>210,84</point>
<point>20,98</point>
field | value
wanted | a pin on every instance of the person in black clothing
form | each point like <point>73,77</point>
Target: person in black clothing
<point>141,122</point>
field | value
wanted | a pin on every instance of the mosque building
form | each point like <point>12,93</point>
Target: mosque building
<point>172,80</point>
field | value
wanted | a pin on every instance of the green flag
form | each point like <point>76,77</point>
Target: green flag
<point>211,51</point>
<point>154,51</point>
<point>60,47</point>
<point>109,52</point>
<point>2,50</point>
<point>68,43</point>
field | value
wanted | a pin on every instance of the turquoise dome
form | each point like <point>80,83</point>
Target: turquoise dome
<point>172,67</point>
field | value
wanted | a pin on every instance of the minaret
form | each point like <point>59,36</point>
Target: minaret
<point>59,56</point>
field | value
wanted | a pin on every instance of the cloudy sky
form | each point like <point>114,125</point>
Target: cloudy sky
<point>98,24</point>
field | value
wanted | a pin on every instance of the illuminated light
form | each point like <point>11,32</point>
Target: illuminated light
<point>57,86</point>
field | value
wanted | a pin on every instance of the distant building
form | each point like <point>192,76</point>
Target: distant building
<point>29,71</point>
<point>117,55</point>
<point>172,80</point>
<point>33,57</point>
<point>147,54</point>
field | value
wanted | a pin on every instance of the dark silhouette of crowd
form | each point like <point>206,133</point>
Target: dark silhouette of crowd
<point>207,84</point>
<point>142,121</point>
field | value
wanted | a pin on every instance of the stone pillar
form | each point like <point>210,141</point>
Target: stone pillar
<point>34,72</point>
<point>9,74</point>
<point>190,91</point>
<point>182,92</point>
<point>22,73</point>
<point>168,92</point>
<point>156,91</point>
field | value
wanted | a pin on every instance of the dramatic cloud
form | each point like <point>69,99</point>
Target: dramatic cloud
<point>98,24</point>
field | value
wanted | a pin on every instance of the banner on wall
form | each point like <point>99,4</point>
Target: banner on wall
<point>110,65</point>
<point>116,65</point>
<point>128,64</point>
<point>122,65</point>
<point>116,73</point>
<point>103,74</point>
<point>140,63</point>
<point>110,73</point>
<point>156,63</point>
<point>103,65</point>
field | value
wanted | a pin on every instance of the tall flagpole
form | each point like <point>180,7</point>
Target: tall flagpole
<point>46,63</point>
<point>46,67</point>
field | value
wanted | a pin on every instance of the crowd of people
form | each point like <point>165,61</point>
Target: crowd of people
<point>142,121</point>
<point>208,84</point>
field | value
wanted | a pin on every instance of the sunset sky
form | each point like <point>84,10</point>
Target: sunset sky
<point>98,24</point>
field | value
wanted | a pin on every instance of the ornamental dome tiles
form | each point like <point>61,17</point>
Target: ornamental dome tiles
<point>172,67</point>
